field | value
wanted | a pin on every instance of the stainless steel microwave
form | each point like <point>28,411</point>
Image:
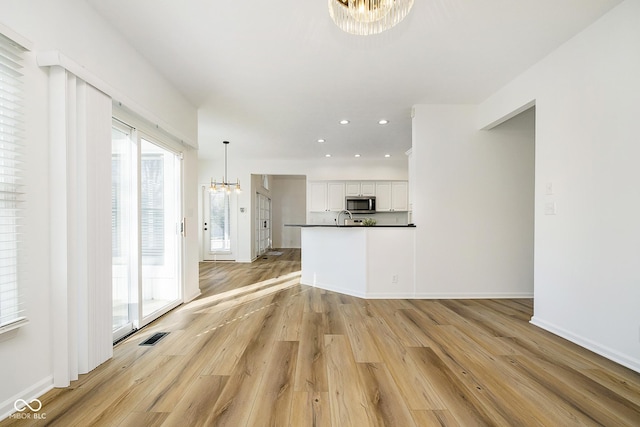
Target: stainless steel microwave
<point>360,204</point>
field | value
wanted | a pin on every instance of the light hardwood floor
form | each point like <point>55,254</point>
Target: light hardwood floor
<point>256,350</point>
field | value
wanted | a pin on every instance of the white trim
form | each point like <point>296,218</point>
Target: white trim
<point>474,295</point>
<point>332,288</point>
<point>24,43</point>
<point>419,295</point>
<point>53,58</point>
<point>21,321</point>
<point>190,298</point>
<point>622,359</point>
<point>33,392</point>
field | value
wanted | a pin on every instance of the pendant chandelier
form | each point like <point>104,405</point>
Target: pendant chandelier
<point>366,17</point>
<point>224,185</point>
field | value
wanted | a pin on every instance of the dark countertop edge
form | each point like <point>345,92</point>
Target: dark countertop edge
<point>351,226</point>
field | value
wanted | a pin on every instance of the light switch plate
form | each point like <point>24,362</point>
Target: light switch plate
<point>550,208</point>
<point>548,188</point>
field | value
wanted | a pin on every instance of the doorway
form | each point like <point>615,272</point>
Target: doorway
<point>218,231</point>
<point>263,224</point>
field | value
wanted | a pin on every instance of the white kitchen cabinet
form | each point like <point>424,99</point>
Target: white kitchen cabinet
<point>392,196</point>
<point>357,188</point>
<point>399,196</point>
<point>335,196</point>
<point>317,196</point>
<point>383,196</point>
<point>326,196</point>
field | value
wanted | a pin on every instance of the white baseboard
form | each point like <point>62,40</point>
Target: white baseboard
<point>192,297</point>
<point>333,288</point>
<point>418,295</point>
<point>622,359</point>
<point>390,295</point>
<point>35,391</point>
<point>473,295</point>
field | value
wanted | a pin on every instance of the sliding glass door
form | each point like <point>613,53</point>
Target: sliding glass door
<point>124,230</point>
<point>159,222</point>
<point>146,229</point>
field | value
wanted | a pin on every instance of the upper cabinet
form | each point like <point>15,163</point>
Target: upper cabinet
<point>326,196</point>
<point>392,196</point>
<point>357,188</point>
<point>317,200</point>
<point>335,196</point>
<point>399,196</point>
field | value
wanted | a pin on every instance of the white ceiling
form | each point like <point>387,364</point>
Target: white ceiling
<point>273,77</point>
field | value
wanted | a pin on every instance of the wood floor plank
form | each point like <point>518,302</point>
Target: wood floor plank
<point>491,381</point>
<point>332,318</point>
<point>311,371</point>
<point>347,399</point>
<point>404,331</point>
<point>434,418</point>
<point>417,390</point>
<point>291,319</point>
<point>386,406</point>
<point>362,343</point>
<point>194,407</point>
<point>273,407</point>
<point>147,419</point>
<point>233,408</point>
<point>463,404</point>
<point>586,396</point>
<point>310,409</point>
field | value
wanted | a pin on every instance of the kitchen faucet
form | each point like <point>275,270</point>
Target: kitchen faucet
<point>340,213</point>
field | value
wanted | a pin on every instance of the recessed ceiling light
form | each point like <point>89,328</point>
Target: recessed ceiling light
<point>387,155</point>
<point>344,122</point>
<point>383,122</point>
<point>321,140</point>
<point>327,155</point>
<point>357,155</point>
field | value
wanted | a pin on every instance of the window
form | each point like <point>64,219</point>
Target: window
<point>220,225</point>
<point>11,185</point>
<point>152,208</point>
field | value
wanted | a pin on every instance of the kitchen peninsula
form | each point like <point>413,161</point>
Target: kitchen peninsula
<point>367,262</point>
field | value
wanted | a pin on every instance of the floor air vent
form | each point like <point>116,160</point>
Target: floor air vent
<point>153,339</point>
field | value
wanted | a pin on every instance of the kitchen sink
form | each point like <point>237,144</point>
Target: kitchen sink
<point>348,221</point>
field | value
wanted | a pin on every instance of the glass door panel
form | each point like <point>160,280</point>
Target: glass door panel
<point>123,230</point>
<point>218,231</point>
<point>159,228</point>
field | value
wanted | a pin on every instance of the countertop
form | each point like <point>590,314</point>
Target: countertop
<point>352,226</point>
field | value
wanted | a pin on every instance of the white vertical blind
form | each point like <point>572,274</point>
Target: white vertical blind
<point>11,185</point>
<point>80,203</point>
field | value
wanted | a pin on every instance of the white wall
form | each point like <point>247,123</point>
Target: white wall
<point>71,27</point>
<point>322,169</point>
<point>289,201</point>
<point>587,92</point>
<point>473,204</point>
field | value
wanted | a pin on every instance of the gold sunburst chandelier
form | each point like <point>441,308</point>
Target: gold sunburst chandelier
<point>366,17</point>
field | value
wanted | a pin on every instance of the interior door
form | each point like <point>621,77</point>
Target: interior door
<point>263,224</point>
